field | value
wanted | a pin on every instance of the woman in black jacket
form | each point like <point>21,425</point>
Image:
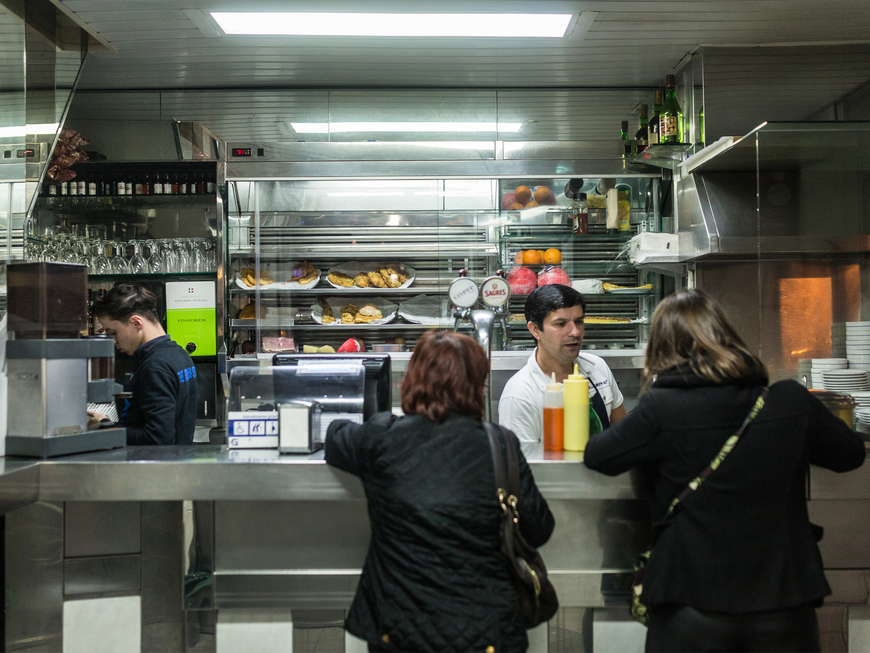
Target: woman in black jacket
<point>434,578</point>
<point>736,567</point>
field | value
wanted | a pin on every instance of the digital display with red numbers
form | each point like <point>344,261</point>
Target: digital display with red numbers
<point>241,151</point>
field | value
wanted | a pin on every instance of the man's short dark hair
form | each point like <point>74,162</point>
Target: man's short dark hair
<point>549,298</point>
<point>125,300</point>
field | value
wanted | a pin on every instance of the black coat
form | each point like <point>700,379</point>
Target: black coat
<point>742,542</point>
<point>163,407</point>
<point>434,578</point>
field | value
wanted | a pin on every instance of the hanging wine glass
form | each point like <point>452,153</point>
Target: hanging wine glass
<point>154,262</point>
<point>100,262</point>
<point>182,254</point>
<point>169,257</point>
<point>119,261</point>
<point>137,262</point>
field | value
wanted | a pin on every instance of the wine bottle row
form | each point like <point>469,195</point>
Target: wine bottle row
<point>133,183</point>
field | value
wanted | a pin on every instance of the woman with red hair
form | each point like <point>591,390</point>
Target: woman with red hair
<point>434,578</point>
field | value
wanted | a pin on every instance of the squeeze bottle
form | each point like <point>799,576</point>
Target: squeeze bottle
<point>554,416</point>
<point>576,398</point>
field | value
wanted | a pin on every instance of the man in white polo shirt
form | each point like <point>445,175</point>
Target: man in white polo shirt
<point>554,314</point>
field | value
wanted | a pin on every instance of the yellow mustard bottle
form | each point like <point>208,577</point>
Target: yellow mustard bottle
<point>576,401</point>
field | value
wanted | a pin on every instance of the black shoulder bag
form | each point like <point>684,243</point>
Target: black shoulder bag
<point>639,611</point>
<point>537,594</point>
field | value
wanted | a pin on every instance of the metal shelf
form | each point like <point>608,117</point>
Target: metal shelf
<point>344,292</point>
<point>180,276</point>
<point>663,156</point>
<point>372,251</point>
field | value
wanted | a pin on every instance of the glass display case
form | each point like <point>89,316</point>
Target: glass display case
<point>329,265</point>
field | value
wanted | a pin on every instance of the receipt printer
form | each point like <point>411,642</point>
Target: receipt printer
<point>299,426</point>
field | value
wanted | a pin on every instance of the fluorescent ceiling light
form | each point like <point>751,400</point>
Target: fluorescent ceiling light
<point>336,127</point>
<point>400,25</point>
<point>23,130</point>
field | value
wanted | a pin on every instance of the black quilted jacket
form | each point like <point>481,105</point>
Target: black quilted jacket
<point>434,579</point>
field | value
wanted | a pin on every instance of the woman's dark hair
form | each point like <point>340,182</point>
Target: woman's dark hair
<point>125,300</point>
<point>549,298</point>
<point>691,327</point>
<point>447,373</point>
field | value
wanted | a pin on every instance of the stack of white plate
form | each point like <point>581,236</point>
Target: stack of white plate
<point>820,365</point>
<point>862,411</point>
<point>838,339</point>
<point>858,344</point>
<point>846,381</point>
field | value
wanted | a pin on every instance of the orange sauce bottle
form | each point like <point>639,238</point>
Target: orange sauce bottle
<point>554,417</point>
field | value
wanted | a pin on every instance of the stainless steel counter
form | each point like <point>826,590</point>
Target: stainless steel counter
<point>213,473</point>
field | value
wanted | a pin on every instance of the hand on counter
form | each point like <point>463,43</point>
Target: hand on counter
<point>94,419</point>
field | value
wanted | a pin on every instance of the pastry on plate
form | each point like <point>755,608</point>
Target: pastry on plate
<point>347,318</point>
<point>370,310</point>
<point>377,279</point>
<point>304,273</point>
<point>362,280</point>
<point>359,318</point>
<point>327,319</point>
<point>341,279</point>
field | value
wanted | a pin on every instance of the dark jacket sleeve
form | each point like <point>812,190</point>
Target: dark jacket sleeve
<point>347,442</point>
<point>536,520</point>
<point>156,393</point>
<point>626,444</point>
<point>832,444</point>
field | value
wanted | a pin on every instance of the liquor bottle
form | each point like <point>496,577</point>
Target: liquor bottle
<point>63,188</point>
<point>83,186</point>
<point>120,186</point>
<point>641,136</point>
<point>73,187</point>
<point>158,184</point>
<point>173,183</point>
<point>671,116</point>
<point>92,185</point>
<point>654,121</point>
<point>140,187</point>
<point>626,146</point>
<point>167,184</point>
<point>200,183</point>
<point>51,188</point>
<point>183,183</point>
<point>128,183</point>
<point>210,182</point>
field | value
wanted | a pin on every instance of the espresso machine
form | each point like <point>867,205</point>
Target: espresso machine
<point>53,371</point>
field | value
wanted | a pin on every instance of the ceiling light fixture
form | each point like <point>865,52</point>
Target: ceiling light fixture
<point>397,25</point>
<point>24,130</point>
<point>336,127</point>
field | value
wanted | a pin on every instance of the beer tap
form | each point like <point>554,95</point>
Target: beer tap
<point>495,293</point>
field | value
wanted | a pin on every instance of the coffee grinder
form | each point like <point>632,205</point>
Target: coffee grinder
<point>53,371</point>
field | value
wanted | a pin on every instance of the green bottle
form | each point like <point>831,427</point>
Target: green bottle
<point>654,121</point>
<point>671,116</point>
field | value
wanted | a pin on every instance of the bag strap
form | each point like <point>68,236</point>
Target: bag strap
<point>696,482</point>
<point>498,464</point>
<point>507,475</point>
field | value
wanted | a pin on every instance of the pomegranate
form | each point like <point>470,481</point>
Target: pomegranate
<point>522,280</point>
<point>553,274</point>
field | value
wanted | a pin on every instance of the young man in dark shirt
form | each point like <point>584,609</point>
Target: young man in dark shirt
<point>162,409</point>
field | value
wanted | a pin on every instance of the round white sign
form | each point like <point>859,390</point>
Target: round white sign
<point>495,291</point>
<point>463,292</point>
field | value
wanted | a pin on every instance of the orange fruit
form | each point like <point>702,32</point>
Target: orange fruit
<point>516,206</point>
<point>541,252</point>
<point>532,204</point>
<point>532,257</point>
<point>553,256</point>
<point>543,195</point>
<point>519,257</point>
<point>523,194</point>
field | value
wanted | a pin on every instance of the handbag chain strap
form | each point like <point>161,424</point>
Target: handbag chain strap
<point>696,482</point>
<point>507,477</point>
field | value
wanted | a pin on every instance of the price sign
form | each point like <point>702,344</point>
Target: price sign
<point>495,291</point>
<point>463,292</point>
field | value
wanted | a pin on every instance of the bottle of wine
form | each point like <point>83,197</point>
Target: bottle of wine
<point>157,187</point>
<point>671,117</point>
<point>626,142</point>
<point>654,122</point>
<point>641,136</point>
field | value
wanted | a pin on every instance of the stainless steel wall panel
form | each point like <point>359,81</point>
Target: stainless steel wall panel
<point>596,535</point>
<point>102,528</point>
<point>19,484</point>
<point>163,621</point>
<point>273,535</point>
<point>846,544</point>
<point>34,578</point>
<point>365,151</point>
<point>114,575</point>
<point>310,591</point>
<point>241,171</point>
<point>828,485</point>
